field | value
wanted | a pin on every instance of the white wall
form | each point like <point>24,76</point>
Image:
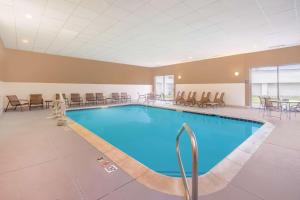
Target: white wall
<point>22,90</point>
<point>234,92</point>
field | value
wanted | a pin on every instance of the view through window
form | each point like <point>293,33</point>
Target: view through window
<point>164,85</point>
<point>280,82</point>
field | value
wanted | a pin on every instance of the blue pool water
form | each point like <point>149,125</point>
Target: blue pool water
<point>148,134</point>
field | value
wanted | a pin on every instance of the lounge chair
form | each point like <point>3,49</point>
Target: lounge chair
<point>15,102</point>
<point>90,98</point>
<point>191,99</point>
<point>142,97</point>
<point>177,96</point>
<point>115,97</point>
<point>272,106</point>
<point>125,97</point>
<point>205,100</point>
<point>151,97</point>
<point>216,97</point>
<point>75,99</point>
<point>215,102</point>
<point>181,98</point>
<point>188,98</point>
<point>220,100</point>
<point>36,100</point>
<point>184,101</point>
<point>100,98</point>
<point>201,102</point>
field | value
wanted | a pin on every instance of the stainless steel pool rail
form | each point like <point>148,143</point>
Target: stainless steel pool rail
<point>194,195</point>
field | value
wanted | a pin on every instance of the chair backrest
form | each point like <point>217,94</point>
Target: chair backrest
<point>115,95</point>
<point>36,99</point>
<point>221,98</point>
<point>151,96</point>
<point>13,100</point>
<point>123,94</point>
<point>267,102</point>
<point>75,97</point>
<point>216,97</point>
<point>89,96</point>
<point>182,95</point>
<point>190,95</point>
<point>194,95</point>
<point>99,96</point>
<point>208,95</point>
<point>203,95</point>
<point>178,94</point>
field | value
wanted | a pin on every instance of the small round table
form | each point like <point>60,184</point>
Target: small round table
<point>48,103</point>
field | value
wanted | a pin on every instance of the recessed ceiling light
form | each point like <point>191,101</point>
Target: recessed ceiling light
<point>25,41</point>
<point>190,57</point>
<point>28,16</point>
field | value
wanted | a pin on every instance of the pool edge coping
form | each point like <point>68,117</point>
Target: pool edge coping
<point>214,180</point>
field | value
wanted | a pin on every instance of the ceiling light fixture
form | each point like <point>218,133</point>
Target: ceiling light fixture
<point>28,16</point>
<point>179,77</point>
<point>236,73</point>
<point>25,41</point>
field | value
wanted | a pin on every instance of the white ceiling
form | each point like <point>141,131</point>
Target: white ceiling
<point>149,32</point>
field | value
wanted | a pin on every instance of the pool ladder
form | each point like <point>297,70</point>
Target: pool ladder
<point>188,195</point>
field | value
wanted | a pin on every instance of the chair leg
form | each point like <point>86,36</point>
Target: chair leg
<point>6,107</point>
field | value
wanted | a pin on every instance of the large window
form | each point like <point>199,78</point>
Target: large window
<point>280,82</point>
<point>164,85</point>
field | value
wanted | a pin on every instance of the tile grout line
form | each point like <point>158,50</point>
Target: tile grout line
<point>29,166</point>
<point>116,189</point>
<point>283,147</point>
<point>245,190</point>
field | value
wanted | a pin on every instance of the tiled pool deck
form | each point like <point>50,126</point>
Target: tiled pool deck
<point>39,160</point>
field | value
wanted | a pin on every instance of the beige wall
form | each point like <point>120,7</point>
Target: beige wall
<point>221,70</point>
<point>21,66</point>
<point>1,60</point>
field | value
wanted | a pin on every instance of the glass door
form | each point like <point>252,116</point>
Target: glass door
<point>263,83</point>
<point>159,84</point>
<point>164,85</point>
<point>289,82</point>
<point>169,87</point>
<point>278,82</point>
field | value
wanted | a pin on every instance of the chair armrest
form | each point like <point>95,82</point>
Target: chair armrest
<point>24,100</point>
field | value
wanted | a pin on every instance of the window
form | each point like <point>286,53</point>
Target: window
<point>165,85</point>
<point>280,82</point>
<point>289,82</point>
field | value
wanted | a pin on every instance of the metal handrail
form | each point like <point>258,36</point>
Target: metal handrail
<point>192,136</point>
